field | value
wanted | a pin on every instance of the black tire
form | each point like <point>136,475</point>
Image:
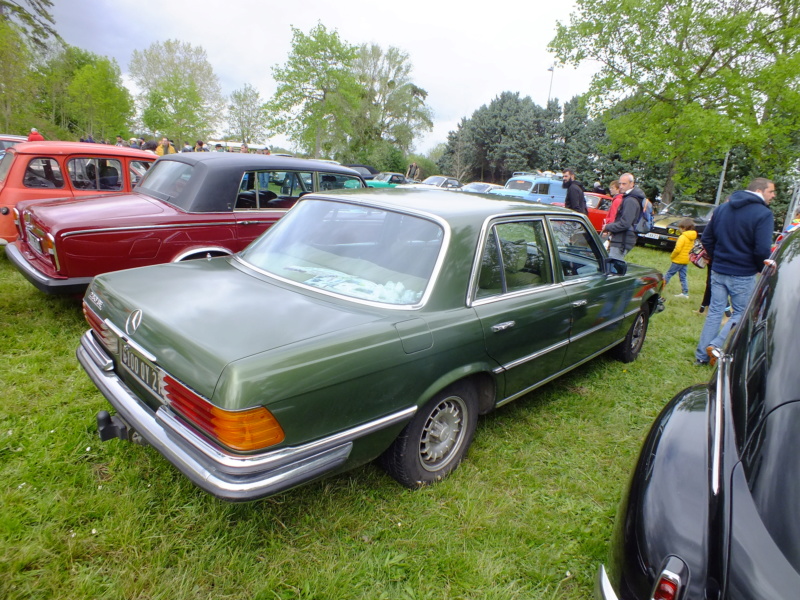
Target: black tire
<point>432,445</point>
<point>630,347</point>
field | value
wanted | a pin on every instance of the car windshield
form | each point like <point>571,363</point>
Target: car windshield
<point>353,251</point>
<point>166,179</point>
<point>477,187</point>
<point>384,176</point>
<point>434,180</point>
<point>519,184</point>
<point>694,211</point>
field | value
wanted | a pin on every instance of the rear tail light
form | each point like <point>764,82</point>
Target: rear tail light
<point>668,586</point>
<point>104,334</point>
<point>242,430</point>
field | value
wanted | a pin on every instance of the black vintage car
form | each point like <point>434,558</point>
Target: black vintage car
<point>712,507</point>
<point>665,230</point>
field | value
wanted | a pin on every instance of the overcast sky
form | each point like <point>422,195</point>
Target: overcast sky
<point>464,53</point>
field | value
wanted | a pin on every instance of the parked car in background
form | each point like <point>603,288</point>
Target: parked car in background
<point>711,508</point>
<point>391,319</point>
<point>365,171</point>
<point>597,205</point>
<point>189,205</point>
<point>435,181</point>
<point>387,180</point>
<point>8,140</point>
<point>479,187</point>
<point>665,230</point>
<point>534,188</point>
<point>40,170</point>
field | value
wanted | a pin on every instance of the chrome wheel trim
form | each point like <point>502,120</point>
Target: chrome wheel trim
<point>637,334</point>
<point>443,434</point>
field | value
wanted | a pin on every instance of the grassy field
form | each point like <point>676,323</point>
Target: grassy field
<point>527,515</point>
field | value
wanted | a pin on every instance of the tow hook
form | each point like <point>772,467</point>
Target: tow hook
<point>115,427</point>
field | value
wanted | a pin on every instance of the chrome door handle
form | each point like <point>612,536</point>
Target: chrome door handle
<point>579,303</point>
<point>503,326</point>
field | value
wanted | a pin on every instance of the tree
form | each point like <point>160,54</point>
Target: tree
<point>317,92</point>
<point>35,24</point>
<point>54,76</point>
<point>15,78</point>
<point>697,76</point>
<point>99,102</point>
<point>181,95</point>
<point>247,116</point>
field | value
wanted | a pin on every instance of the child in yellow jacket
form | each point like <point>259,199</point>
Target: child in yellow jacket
<point>680,256</point>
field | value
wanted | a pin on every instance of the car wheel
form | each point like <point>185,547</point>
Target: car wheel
<point>629,349</point>
<point>432,445</point>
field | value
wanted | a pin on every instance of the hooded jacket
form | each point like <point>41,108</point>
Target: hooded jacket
<point>680,255</point>
<point>622,234</point>
<point>738,239</point>
<point>575,198</point>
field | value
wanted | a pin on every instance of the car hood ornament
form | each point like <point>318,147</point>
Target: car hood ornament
<point>133,321</point>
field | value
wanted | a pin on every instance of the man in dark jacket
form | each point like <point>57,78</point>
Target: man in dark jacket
<point>575,198</point>
<point>738,239</point>
<point>623,236</point>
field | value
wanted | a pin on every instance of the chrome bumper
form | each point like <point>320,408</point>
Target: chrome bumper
<point>602,586</point>
<point>49,285</point>
<point>224,475</point>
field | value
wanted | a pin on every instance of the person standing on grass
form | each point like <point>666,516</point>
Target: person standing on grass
<point>680,256</point>
<point>623,236</point>
<point>738,239</point>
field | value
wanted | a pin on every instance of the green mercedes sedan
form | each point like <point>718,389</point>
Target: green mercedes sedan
<point>365,324</point>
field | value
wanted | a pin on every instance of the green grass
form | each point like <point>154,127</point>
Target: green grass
<point>527,515</point>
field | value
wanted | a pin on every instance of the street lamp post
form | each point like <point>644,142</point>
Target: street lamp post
<point>549,91</point>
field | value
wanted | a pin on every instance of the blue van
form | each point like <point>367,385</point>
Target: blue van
<point>534,188</point>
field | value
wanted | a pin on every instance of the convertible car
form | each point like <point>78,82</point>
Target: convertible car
<point>665,230</point>
<point>364,324</point>
<point>189,205</point>
<point>711,508</point>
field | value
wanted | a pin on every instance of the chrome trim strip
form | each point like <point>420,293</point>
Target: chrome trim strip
<point>559,374</point>
<point>514,294</point>
<point>186,253</point>
<point>723,383</point>
<point>127,339</point>
<point>101,359</point>
<point>146,227</point>
<point>602,586</point>
<point>226,476</point>
<point>604,325</point>
<point>530,357</point>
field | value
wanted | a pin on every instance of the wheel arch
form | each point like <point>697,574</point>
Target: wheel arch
<point>478,375</point>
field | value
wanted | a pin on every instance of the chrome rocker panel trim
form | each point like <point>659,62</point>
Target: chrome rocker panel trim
<point>226,476</point>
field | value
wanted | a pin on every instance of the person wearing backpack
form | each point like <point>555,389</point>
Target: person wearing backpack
<point>623,235</point>
<point>680,256</point>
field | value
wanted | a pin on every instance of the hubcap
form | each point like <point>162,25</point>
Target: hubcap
<point>638,333</point>
<point>443,434</point>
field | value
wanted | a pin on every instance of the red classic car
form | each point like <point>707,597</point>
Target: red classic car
<point>188,205</point>
<point>597,205</point>
<point>7,140</point>
<point>39,170</point>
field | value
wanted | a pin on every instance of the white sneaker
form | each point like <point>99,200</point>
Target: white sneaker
<point>682,296</point>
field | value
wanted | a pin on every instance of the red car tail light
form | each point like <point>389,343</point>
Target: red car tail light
<point>243,430</point>
<point>104,334</point>
<point>667,587</point>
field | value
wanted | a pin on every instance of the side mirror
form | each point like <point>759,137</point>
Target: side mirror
<point>614,266</point>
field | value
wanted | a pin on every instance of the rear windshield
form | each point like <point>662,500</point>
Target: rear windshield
<point>167,179</point>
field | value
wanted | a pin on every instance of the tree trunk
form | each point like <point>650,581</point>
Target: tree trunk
<point>669,185</point>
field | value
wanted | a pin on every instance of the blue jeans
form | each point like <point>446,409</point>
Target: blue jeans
<point>681,271</point>
<point>739,289</point>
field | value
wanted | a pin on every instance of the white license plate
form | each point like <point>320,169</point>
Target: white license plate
<point>140,367</point>
<point>653,236</point>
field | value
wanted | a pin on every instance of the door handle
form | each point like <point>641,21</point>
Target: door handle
<point>579,303</point>
<point>503,326</point>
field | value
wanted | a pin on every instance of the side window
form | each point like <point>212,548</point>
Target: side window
<point>101,174</point>
<point>43,173</point>
<point>330,181</point>
<point>137,169</point>
<point>541,188</point>
<point>514,258</point>
<point>578,252</point>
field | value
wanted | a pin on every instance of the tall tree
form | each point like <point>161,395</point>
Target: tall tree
<point>60,64</point>
<point>99,102</point>
<point>181,95</point>
<point>35,22</point>
<point>247,116</point>
<point>698,76</point>
<point>15,79</point>
<point>317,92</point>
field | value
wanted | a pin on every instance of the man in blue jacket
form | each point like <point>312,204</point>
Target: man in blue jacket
<point>738,239</point>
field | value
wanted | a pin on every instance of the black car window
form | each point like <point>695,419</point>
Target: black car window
<point>43,173</point>
<point>578,251</point>
<point>514,258</point>
<point>93,173</point>
<point>336,181</point>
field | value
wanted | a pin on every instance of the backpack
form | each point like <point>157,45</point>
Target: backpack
<point>698,255</point>
<point>645,222</point>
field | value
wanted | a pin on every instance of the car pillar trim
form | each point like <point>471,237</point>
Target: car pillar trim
<point>223,475</point>
<point>145,227</point>
<point>723,384</point>
<point>551,377</point>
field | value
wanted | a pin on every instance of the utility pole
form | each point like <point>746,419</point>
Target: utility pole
<point>549,91</point>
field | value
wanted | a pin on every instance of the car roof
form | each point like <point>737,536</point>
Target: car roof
<point>62,148</point>
<point>241,161</point>
<point>13,138</point>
